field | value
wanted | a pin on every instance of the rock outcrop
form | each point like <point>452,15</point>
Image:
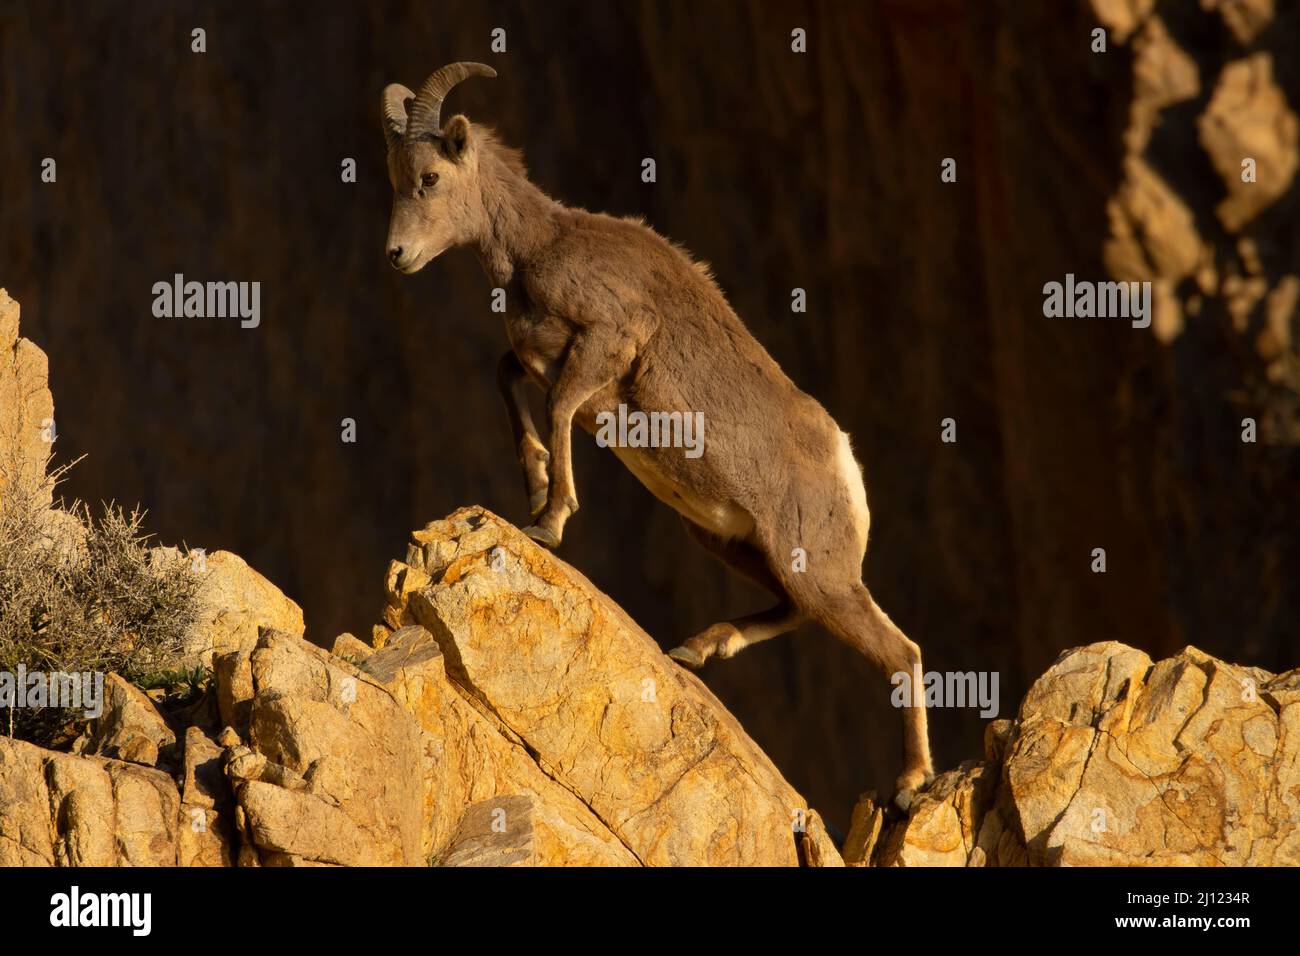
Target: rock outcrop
<point>58,809</point>
<point>26,411</point>
<point>27,429</point>
<point>1116,761</point>
<point>329,772</point>
<point>517,717</point>
<point>470,769</point>
<point>130,727</point>
<point>520,718</point>
<point>237,603</point>
<point>405,759</point>
<point>554,667</point>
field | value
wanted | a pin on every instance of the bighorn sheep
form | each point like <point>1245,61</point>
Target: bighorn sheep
<point>603,311</point>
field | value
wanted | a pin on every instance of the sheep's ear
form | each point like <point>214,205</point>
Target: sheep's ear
<point>455,137</point>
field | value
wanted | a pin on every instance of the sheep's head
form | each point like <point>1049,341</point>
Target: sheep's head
<point>433,169</point>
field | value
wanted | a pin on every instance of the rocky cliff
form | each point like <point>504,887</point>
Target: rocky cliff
<point>511,715</point>
<point>506,713</point>
<point>503,711</point>
<point>1114,760</point>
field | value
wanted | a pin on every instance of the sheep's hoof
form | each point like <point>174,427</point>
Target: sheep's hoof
<point>547,539</point>
<point>536,503</point>
<point>684,655</point>
<point>908,786</point>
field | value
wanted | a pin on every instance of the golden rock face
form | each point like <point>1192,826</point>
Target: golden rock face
<point>522,719</point>
<point>651,756</point>
<point>26,412</point>
<point>1116,761</point>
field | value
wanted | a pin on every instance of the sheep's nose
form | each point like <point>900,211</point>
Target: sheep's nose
<point>394,254</point>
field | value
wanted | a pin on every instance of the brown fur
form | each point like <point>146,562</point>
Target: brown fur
<point>603,311</point>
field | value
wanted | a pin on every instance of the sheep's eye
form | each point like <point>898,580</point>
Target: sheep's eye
<point>428,179</point>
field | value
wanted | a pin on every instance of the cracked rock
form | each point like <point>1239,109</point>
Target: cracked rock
<point>1116,761</point>
<point>563,674</point>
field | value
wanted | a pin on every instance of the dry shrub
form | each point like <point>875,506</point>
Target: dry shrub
<point>79,593</point>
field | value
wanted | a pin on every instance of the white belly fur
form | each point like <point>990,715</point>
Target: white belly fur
<point>721,517</point>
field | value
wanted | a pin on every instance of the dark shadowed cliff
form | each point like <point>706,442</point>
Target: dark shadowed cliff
<point>818,171</point>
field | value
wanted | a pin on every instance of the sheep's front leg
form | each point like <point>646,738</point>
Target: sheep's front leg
<point>593,361</point>
<point>533,456</point>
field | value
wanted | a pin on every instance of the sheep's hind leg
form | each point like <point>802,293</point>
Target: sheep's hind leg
<point>852,615</point>
<point>728,638</point>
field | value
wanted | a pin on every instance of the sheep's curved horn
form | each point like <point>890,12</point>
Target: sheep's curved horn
<point>396,96</point>
<point>425,117</point>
